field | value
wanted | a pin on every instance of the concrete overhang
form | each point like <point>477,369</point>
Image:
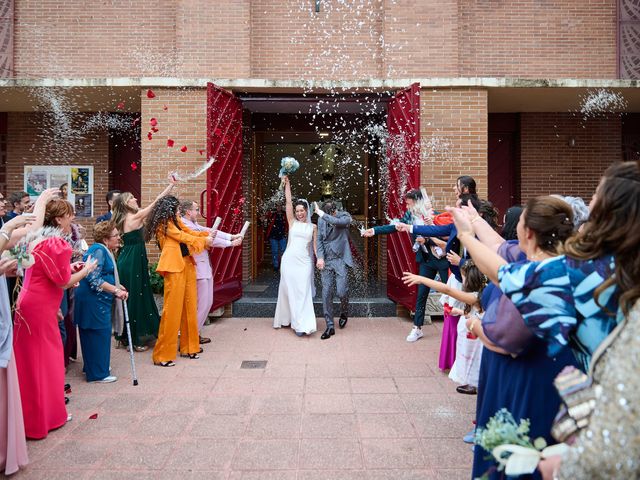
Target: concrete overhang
<point>504,94</point>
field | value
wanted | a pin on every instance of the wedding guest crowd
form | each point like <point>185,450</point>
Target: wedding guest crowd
<point>559,326</point>
<point>63,277</point>
<point>542,320</point>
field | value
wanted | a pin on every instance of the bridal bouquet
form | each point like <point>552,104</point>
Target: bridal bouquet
<point>288,165</point>
<point>20,253</point>
<point>510,445</point>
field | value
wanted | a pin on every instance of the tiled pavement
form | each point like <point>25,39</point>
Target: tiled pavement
<point>363,405</point>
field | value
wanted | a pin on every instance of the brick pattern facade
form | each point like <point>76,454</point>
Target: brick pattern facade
<point>550,165</point>
<point>29,143</point>
<point>455,121</point>
<point>185,122</point>
<point>421,39</point>
<point>289,40</point>
<point>538,39</point>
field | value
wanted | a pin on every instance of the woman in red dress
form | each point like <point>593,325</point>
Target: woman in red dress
<point>37,345</point>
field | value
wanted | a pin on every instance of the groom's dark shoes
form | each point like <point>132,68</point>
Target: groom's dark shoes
<point>328,333</point>
<point>343,321</point>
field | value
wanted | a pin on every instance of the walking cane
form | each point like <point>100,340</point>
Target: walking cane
<point>128,327</point>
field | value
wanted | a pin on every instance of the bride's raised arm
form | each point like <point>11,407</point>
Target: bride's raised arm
<point>288,201</point>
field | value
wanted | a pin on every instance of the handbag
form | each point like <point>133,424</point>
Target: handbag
<point>184,249</point>
<point>578,397</point>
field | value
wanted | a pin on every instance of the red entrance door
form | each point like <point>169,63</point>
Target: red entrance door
<point>403,154</point>
<point>224,188</point>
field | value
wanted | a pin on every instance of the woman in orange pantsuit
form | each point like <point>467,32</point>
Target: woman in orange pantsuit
<point>176,265</point>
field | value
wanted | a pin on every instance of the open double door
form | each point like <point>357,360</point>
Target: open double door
<point>224,187</point>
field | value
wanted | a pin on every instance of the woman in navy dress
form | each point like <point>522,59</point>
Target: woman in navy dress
<point>515,372</point>
<point>94,303</point>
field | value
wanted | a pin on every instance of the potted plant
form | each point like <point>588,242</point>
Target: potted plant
<point>156,282</point>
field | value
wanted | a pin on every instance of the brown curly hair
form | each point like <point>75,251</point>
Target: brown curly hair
<point>102,231</point>
<point>613,229</point>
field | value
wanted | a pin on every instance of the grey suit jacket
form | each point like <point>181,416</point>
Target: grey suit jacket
<point>333,238</point>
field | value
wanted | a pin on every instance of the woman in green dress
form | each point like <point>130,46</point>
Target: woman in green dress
<point>133,267</point>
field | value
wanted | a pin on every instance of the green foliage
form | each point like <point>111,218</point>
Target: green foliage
<point>502,429</point>
<point>155,279</point>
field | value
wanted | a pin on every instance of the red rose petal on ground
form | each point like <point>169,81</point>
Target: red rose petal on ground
<point>134,166</point>
<point>154,130</point>
<point>184,148</point>
<point>150,136</point>
<point>165,108</point>
<point>120,106</point>
<point>94,416</point>
<point>153,122</point>
<point>200,152</point>
<point>150,94</point>
<point>170,142</point>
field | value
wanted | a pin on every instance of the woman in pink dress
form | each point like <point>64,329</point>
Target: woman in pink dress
<point>13,447</point>
<point>37,345</point>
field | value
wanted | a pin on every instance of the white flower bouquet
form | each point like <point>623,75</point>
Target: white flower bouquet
<point>22,254</point>
<point>510,445</point>
<point>288,165</point>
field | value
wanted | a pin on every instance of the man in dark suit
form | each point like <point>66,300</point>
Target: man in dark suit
<point>334,256</point>
<point>111,196</point>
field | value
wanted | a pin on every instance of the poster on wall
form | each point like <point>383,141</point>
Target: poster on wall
<point>75,184</point>
<point>79,180</point>
<point>83,205</point>
<point>35,182</point>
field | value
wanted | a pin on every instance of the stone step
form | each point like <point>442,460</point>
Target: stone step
<point>358,307</point>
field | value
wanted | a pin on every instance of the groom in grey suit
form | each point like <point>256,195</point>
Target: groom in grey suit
<point>334,256</point>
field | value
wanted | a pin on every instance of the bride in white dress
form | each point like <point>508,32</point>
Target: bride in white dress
<point>295,294</point>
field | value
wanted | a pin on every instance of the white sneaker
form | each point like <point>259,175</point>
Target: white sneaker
<point>415,334</point>
<point>109,379</point>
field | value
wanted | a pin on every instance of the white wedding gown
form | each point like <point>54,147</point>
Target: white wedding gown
<point>295,294</point>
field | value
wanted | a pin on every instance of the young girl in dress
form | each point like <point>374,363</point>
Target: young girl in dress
<point>466,367</point>
<point>453,309</point>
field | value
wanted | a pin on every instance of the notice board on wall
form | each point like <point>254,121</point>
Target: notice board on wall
<point>75,181</point>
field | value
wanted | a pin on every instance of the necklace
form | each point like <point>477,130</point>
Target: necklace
<point>534,257</point>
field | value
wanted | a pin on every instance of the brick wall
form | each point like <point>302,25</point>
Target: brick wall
<point>213,38</point>
<point>75,38</point>
<point>29,142</point>
<point>453,127</point>
<point>549,165</point>
<point>289,40</point>
<point>185,122</point>
<point>538,38</point>
<point>420,38</point>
